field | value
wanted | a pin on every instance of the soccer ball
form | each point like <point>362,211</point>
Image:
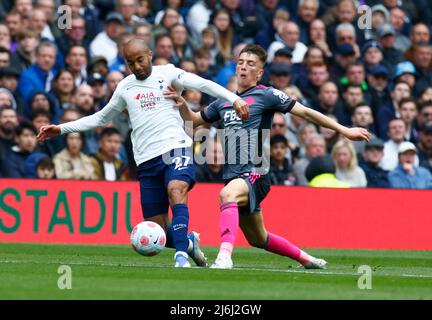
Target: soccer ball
<point>148,238</point>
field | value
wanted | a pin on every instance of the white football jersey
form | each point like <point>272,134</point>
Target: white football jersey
<point>157,126</point>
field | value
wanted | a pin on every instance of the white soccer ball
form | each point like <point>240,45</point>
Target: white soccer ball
<point>148,238</point>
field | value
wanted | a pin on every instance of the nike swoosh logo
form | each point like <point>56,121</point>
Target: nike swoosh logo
<point>156,241</point>
<point>182,168</point>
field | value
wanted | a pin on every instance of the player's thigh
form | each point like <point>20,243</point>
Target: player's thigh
<point>154,197</point>
<point>237,191</point>
<point>179,175</point>
<point>253,228</point>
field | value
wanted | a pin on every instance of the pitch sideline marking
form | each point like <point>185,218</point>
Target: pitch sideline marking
<point>132,265</point>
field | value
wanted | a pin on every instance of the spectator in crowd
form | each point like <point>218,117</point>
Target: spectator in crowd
<point>318,75</point>
<point>199,17</point>
<point>62,90</point>
<point>169,19</point>
<point>14,22</point>
<point>71,163</point>
<point>425,146</point>
<point>127,8</point>
<point>164,48</point>
<point>281,172</point>
<point>45,169</point>
<point>345,33</point>
<point>227,37</point>
<point>386,36</point>
<point>425,113</point>
<point>143,31</point>
<point>422,60</point>
<point>30,165</point>
<point>397,19</point>
<point>99,65</point>
<point>344,56</point>
<point>266,36</point>
<point>83,100</point>
<point>7,98</point>
<point>408,175</point>
<point>90,13</point>
<point>406,71</point>
<point>76,60</point>
<point>210,41</point>
<point>24,8</point>
<point>373,153</point>
<point>97,82</point>
<point>9,80</point>
<point>13,165</point>
<point>76,35</point>
<point>112,80</point>
<point>5,38</point>
<point>396,132</point>
<point>315,147</point>
<point>177,5</point>
<point>307,12</point>
<point>346,163</point>
<point>320,173</point>
<point>318,37</point>
<point>25,55</point>
<point>39,76</point>
<point>104,44</point>
<point>362,117</point>
<point>5,56</point>
<point>288,36</point>
<point>408,112</point>
<point>202,59</point>
<point>378,79</point>
<point>352,97</point>
<point>356,74</point>
<point>279,75</point>
<point>8,126</point>
<point>387,112</point>
<point>328,98</point>
<point>420,33</point>
<point>182,46</point>
<point>372,54</point>
<point>105,162</point>
<point>211,169</point>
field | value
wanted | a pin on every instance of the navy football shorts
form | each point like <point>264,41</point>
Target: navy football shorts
<point>259,187</point>
<point>155,174</point>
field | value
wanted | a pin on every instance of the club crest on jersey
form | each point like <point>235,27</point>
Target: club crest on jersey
<point>161,84</point>
<point>281,95</point>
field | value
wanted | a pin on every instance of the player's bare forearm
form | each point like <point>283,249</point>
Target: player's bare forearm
<point>320,119</point>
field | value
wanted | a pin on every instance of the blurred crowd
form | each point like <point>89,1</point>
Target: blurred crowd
<point>368,70</point>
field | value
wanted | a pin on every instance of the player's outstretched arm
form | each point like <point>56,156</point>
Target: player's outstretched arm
<point>48,131</point>
<point>355,134</point>
<point>192,81</point>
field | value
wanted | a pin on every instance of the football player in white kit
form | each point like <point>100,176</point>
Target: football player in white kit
<point>161,147</point>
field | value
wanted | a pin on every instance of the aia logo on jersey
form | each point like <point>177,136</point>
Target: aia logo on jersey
<point>147,100</point>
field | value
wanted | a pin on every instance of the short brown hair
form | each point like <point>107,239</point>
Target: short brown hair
<point>256,50</point>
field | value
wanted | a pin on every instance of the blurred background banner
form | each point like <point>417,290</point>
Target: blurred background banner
<point>93,212</point>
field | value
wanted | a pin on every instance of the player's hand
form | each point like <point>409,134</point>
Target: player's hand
<point>174,95</point>
<point>48,131</point>
<point>357,134</point>
<point>241,107</point>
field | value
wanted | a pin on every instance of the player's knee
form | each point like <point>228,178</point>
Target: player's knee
<point>257,243</point>
<point>227,195</point>
<point>177,193</point>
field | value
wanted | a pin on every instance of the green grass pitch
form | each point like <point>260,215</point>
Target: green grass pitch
<point>29,271</point>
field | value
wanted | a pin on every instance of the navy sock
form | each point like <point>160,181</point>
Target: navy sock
<point>169,237</point>
<point>180,223</point>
